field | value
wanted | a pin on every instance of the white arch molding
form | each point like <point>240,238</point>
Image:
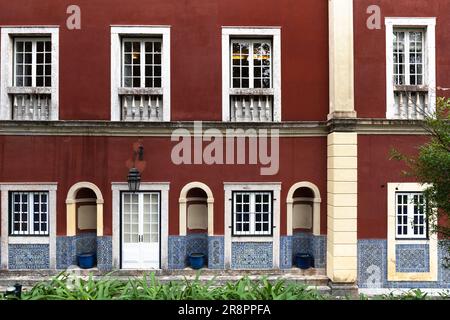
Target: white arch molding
<point>316,206</point>
<point>71,207</point>
<point>183,206</point>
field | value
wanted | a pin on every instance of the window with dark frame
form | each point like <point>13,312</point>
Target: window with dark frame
<point>252,213</point>
<point>29,213</point>
<point>411,217</point>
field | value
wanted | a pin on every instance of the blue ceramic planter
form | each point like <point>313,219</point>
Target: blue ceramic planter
<point>197,260</point>
<point>303,260</point>
<point>86,260</point>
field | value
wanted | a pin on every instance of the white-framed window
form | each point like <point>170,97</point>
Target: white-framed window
<point>251,62</point>
<point>411,217</point>
<point>29,73</point>
<point>410,62</point>
<point>140,73</point>
<point>252,213</point>
<point>409,58</point>
<point>251,74</point>
<point>141,63</point>
<point>32,62</point>
<point>29,213</point>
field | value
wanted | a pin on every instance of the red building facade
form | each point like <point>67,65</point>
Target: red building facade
<point>90,91</point>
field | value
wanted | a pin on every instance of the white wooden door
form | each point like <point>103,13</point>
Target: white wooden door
<point>140,230</point>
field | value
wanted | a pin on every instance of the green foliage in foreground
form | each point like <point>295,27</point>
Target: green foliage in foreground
<point>150,288</point>
<point>62,287</point>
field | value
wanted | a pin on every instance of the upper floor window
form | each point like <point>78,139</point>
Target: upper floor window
<point>251,76</point>
<point>409,57</point>
<point>29,213</point>
<point>251,62</point>
<point>411,219</point>
<point>141,63</point>
<point>410,67</point>
<point>140,73</point>
<point>30,89</point>
<point>33,62</point>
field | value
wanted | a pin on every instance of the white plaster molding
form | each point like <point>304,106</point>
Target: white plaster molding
<point>183,208</point>
<point>116,33</point>
<point>230,32</point>
<point>316,206</point>
<point>6,72</point>
<point>163,187</point>
<point>429,24</point>
<point>275,239</point>
<point>392,274</point>
<point>5,188</point>
<point>71,210</point>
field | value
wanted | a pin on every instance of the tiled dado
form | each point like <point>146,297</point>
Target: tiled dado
<point>181,246</point>
<point>216,251</point>
<point>302,243</point>
<point>251,255</point>
<point>67,249</point>
<point>412,258</point>
<point>28,256</point>
<point>372,265</point>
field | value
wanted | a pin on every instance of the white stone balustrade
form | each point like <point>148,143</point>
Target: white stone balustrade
<point>34,106</point>
<point>257,108</point>
<point>411,103</point>
<point>141,104</point>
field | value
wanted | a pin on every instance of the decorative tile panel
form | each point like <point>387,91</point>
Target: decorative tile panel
<point>372,267</point>
<point>177,252</point>
<point>412,258</point>
<point>86,243</point>
<point>216,252</point>
<point>286,252</point>
<point>252,255</point>
<point>319,251</point>
<point>197,243</point>
<point>28,256</point>
<point>104,253</point>
<point>66,252</point>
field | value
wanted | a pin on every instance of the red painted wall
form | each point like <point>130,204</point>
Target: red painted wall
<point>195,50</point>
<point>375,170</point>
<point>370,50</point>
<point>102,160</point>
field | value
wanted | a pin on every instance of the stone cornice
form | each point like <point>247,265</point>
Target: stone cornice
<point>165,129</point>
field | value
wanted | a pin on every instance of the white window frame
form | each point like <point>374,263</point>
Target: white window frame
<point>410,217</point>
<point>407,52</point>
<point>251,70</point>
<point>7,70</point>
<point>229,33</point>
<point>392,241</point>
<point>49,239</point>
<point>30,214</point>
<point>275,187</point>
<point>252,213</point>
<point>119,32</point>
<point>429,51</point>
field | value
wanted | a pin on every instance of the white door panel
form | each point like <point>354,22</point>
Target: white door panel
<point>140,230</point>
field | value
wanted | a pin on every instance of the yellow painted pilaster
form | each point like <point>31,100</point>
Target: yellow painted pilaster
<point>71,219</point>
<point>342,201</point>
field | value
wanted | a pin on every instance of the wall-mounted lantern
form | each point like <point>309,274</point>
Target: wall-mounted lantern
<point>134,176</point>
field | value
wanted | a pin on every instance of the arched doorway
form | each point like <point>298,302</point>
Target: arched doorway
<point>84,213</point>
<point>303,221</point>
<point>196,218</point>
